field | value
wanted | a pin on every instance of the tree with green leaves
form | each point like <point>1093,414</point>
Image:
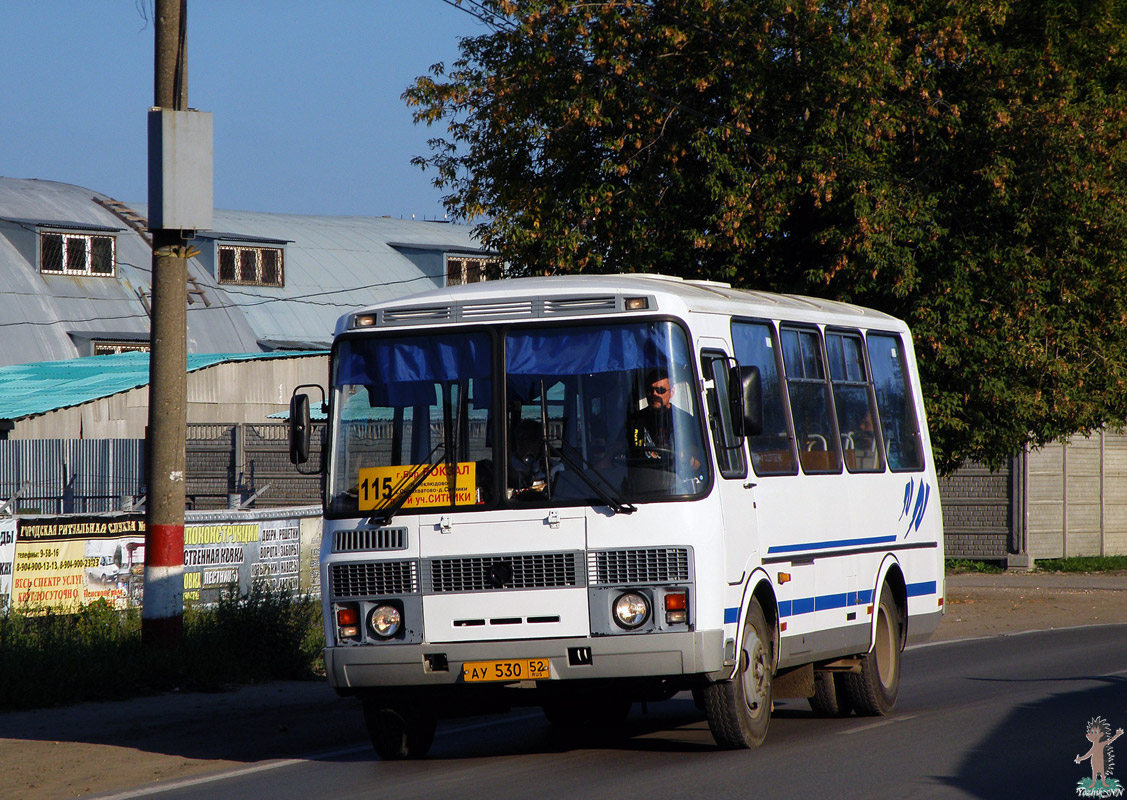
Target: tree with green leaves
<point>961,164</point>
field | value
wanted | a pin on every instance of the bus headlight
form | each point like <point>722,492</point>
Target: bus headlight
<point>385,621</point>
<point>631,610</point>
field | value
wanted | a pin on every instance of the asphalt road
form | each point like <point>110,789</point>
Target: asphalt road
<point>987,718</point>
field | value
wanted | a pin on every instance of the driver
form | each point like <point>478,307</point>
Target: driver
<point>526,463</point>
<point>651,431</point>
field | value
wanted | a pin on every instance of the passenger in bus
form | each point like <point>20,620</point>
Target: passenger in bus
<point>526,461</point>
<point>651,431</point>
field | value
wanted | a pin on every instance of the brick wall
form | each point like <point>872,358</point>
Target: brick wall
<point>246,458</point>
<point>977,512</point>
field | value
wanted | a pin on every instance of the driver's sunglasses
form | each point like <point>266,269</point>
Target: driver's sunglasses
<point>659,389</point>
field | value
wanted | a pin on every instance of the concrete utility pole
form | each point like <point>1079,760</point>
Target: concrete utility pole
<point>162,614</point>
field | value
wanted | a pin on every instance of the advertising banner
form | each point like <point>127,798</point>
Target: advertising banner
<point>226,555</point>
<point>66,561</point>
<point>73,560</point>
<point>7,559</point>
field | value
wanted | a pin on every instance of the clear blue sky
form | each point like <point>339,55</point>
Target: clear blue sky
<point>305,96</point>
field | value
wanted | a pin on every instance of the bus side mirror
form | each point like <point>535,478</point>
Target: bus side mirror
<point>299,428</point>
<point>747,400</point>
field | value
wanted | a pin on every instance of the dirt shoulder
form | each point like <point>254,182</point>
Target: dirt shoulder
<point>100,748</point>
<point>1012,602</point>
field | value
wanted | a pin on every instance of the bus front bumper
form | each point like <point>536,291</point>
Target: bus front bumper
<point>626,656</point>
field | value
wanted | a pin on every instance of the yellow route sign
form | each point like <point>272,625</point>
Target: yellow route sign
<point>377,486</point>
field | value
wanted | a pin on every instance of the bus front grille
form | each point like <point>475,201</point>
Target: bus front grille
<point>639,566</point>
<point>495,573</point>
<point>351,541</point>
<point>373,579</point>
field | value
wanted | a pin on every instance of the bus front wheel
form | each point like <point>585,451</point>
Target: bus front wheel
<point>739,709</point>
<point>399,733</point>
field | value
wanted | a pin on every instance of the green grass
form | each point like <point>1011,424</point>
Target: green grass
<point>1082,564</point>
<point>956,566</point>
<point>96,653</point>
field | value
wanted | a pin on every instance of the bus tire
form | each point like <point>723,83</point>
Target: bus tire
<point>830,698</point>
<point>397,734</point>
<point>739,709</point>
<point>872,691</point>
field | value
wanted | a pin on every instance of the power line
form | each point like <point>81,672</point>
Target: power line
<point>306,299</point>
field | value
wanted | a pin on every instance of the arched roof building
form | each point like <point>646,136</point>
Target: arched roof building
<point>75,274</point>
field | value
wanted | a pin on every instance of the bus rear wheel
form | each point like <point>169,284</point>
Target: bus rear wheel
<point>873,690</point>
<point>739,709</point>
<point>398,733</point>
<point>830,698</point>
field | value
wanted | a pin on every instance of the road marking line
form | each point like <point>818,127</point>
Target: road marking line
<point>235,773</point>
<point>184,783</point>
<point>880,724</point>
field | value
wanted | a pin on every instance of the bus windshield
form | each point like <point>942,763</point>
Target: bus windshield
<point>584,414</point>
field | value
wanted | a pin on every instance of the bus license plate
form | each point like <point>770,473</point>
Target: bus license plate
<point>516,669</point>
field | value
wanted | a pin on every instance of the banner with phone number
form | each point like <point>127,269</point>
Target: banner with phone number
<point>7,559</point>
<point>378,486</point>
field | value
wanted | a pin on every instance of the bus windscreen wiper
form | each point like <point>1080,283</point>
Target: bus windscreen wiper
<point>400,495</point>
<point>580,468</point>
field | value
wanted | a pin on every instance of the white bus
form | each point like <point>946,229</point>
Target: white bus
<point>585,492</point>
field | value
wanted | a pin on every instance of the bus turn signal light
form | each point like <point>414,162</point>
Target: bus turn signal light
<point>348,622</point>
<point>677,608</point>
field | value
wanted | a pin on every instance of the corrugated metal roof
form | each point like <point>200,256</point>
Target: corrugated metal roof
<point>39,312</point>
<point>30,389</point>
<point>336,264</point>
<point>65,225</point>
<point>332,265</point>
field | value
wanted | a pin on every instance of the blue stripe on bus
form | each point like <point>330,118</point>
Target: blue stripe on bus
<point>794,548</point>
<point>807,605</point>
<point>917,589</point>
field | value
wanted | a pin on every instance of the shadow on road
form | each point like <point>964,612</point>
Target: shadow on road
<point>248,724</point>
<point>1030,754</point>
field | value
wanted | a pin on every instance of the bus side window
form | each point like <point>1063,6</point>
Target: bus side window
<point>809,392</point>
<point>772,452</point>
<point>854,401</point>
<point>729,448</point>
<point>901,431</point>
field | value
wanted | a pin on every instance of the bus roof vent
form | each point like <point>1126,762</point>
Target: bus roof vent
<point>417,314</point>
<point>580,305</point>
<point>510,308</point>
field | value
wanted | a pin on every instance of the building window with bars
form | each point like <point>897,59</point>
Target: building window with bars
<point>255,266</point>
<point>76,254</point>
<point>113,348</point>
<point>462,269</point>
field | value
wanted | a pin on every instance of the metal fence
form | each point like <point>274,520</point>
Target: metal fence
<point>228,466</point>
<point>70,476</point>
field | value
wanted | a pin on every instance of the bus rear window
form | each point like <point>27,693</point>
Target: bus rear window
<point>902,440</point>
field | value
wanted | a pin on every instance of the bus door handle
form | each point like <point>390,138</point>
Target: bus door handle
<point>750,485</point>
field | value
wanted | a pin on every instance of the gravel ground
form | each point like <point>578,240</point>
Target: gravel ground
<point>99,748</point>
<point>987,605</point>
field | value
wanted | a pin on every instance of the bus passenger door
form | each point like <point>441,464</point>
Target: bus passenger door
<point>734,487</point>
